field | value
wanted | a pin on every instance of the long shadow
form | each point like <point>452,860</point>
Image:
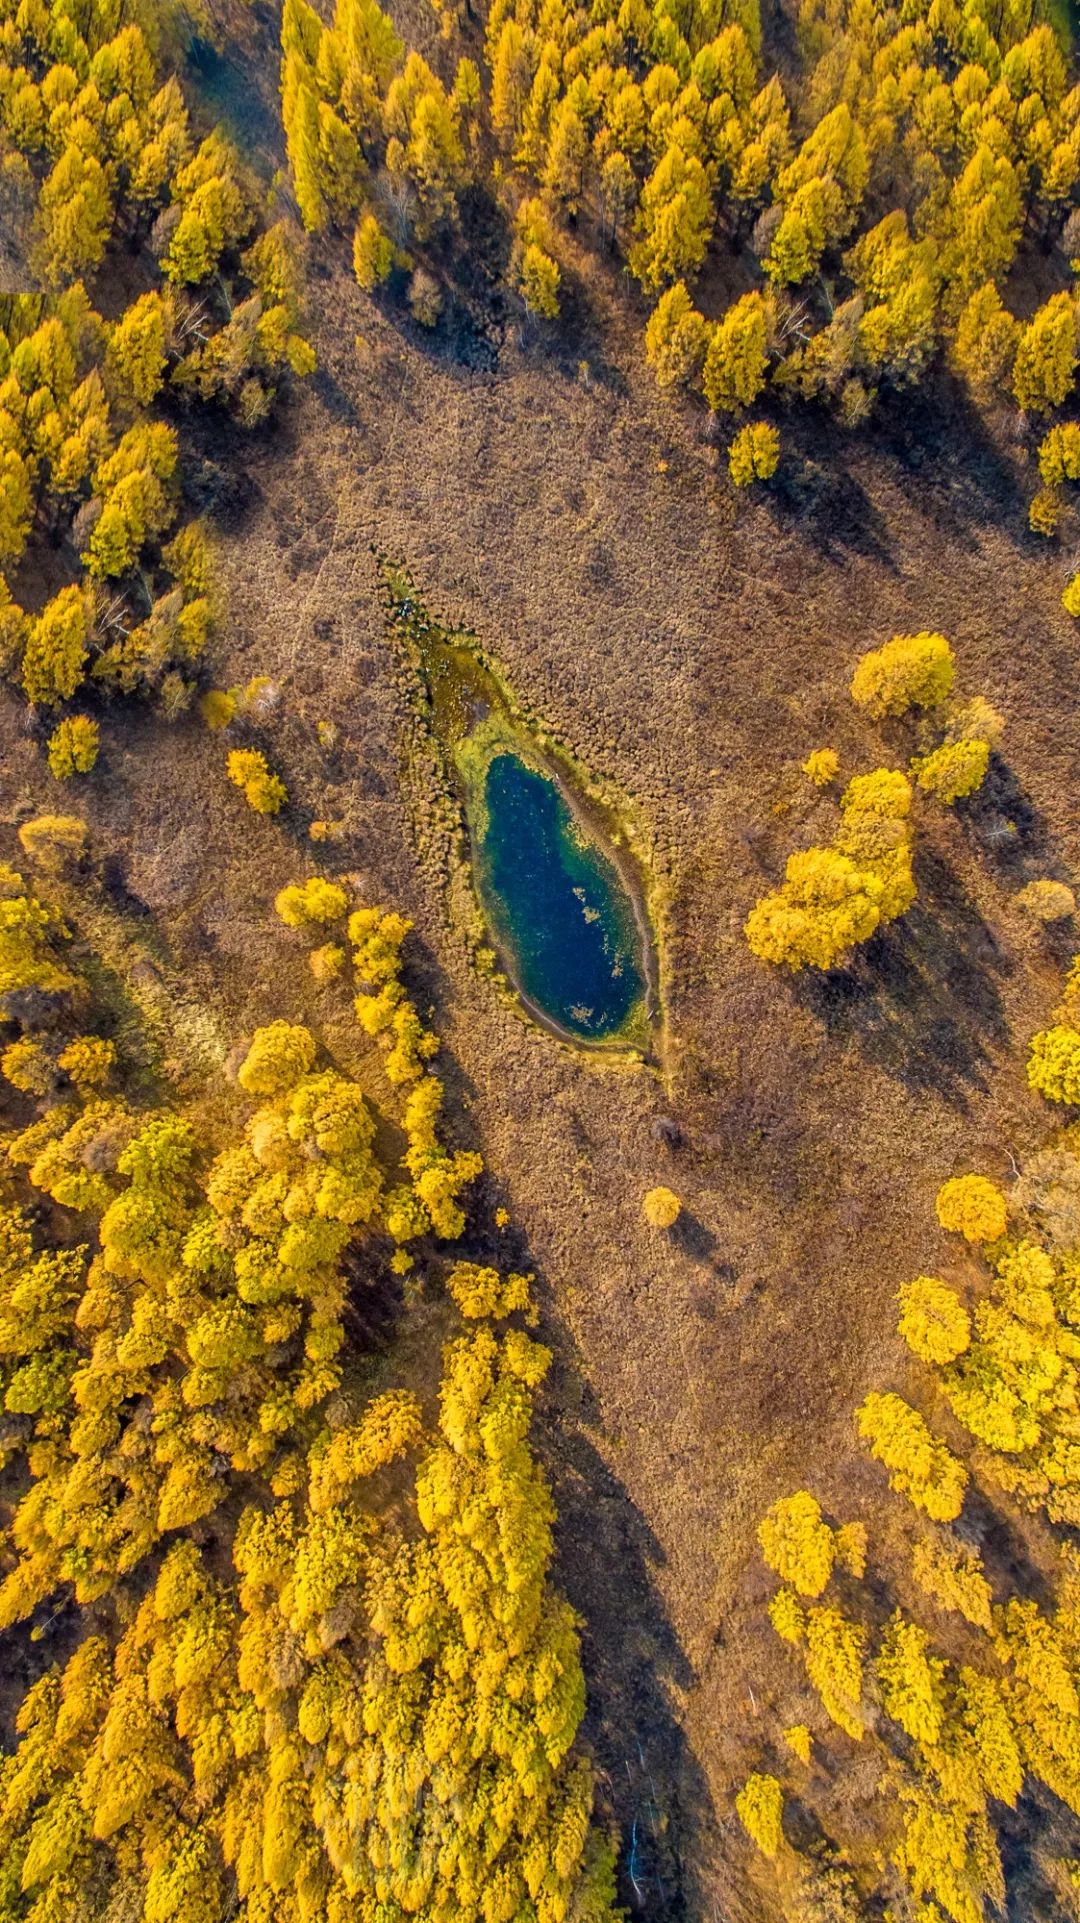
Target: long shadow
<point>1037,1832</point>
<point>1008,828</point>
<point>960,478</point>
<point>832,508</point>
<point>469,268</point>
<point>606,1558</point>
<point>936,432</point>
<point>922,999</point>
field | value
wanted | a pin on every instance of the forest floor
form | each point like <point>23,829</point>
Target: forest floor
<point>693,648</point>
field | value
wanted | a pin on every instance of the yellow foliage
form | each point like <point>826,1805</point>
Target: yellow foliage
<point>955,769</point>
<point>754,454</point>
<point>797,1543</point>
<point>822,766</point>
<point>484,1292</point>
<point>1054,1064</point>
<point>661,1208</point>
<point>218,708</point>
<point>264,792</point>
<point>910,671</point>
<point>87,1060</point>
<point>919,1466</point>
<point>835,1654</point>
<point>973,1207</point>
<point>73,747</point>
<point>54,842</point>
<point>933,1321</point>
<point>279,1055</point>
<point>951,1573</point>
<point>315,900</point>
<point>912,1681</point>
<point>1047,901</point>
<point>327,963</point>
<point>760,1806</point>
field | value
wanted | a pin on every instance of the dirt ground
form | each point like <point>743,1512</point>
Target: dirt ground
<point>692,648</point>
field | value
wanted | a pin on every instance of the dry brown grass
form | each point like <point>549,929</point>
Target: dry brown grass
<point>693,649</point>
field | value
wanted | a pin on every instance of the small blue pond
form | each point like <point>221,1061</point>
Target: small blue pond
<point>556,905</point>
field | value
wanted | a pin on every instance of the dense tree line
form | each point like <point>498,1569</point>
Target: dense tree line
<point>880,188</point>
<point>311,1665</point>
<point>99,157</point>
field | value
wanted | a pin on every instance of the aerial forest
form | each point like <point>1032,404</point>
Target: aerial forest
<point>539,961</point>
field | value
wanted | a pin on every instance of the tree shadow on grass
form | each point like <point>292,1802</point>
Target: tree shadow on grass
<point>966,481</point>
<point>922,1000</point>
<point>1008,828</point>
<point>933,440</point>
<point>1039,1830</point>
<point>833,510</point>
<point>606,1558</point>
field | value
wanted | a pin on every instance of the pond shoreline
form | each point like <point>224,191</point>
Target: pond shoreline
<point>457,690</point>
<point>595,829</point>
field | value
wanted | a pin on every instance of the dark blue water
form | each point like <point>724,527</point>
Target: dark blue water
<point>556,904</point>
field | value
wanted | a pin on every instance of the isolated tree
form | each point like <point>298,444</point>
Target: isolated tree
<point>73,747</point>
<point>312,902</point>
<point>910,671</point>
<point>263,791</point>
<point>661,1208</point>
<point>822,766</point>
<point>374,254</point>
